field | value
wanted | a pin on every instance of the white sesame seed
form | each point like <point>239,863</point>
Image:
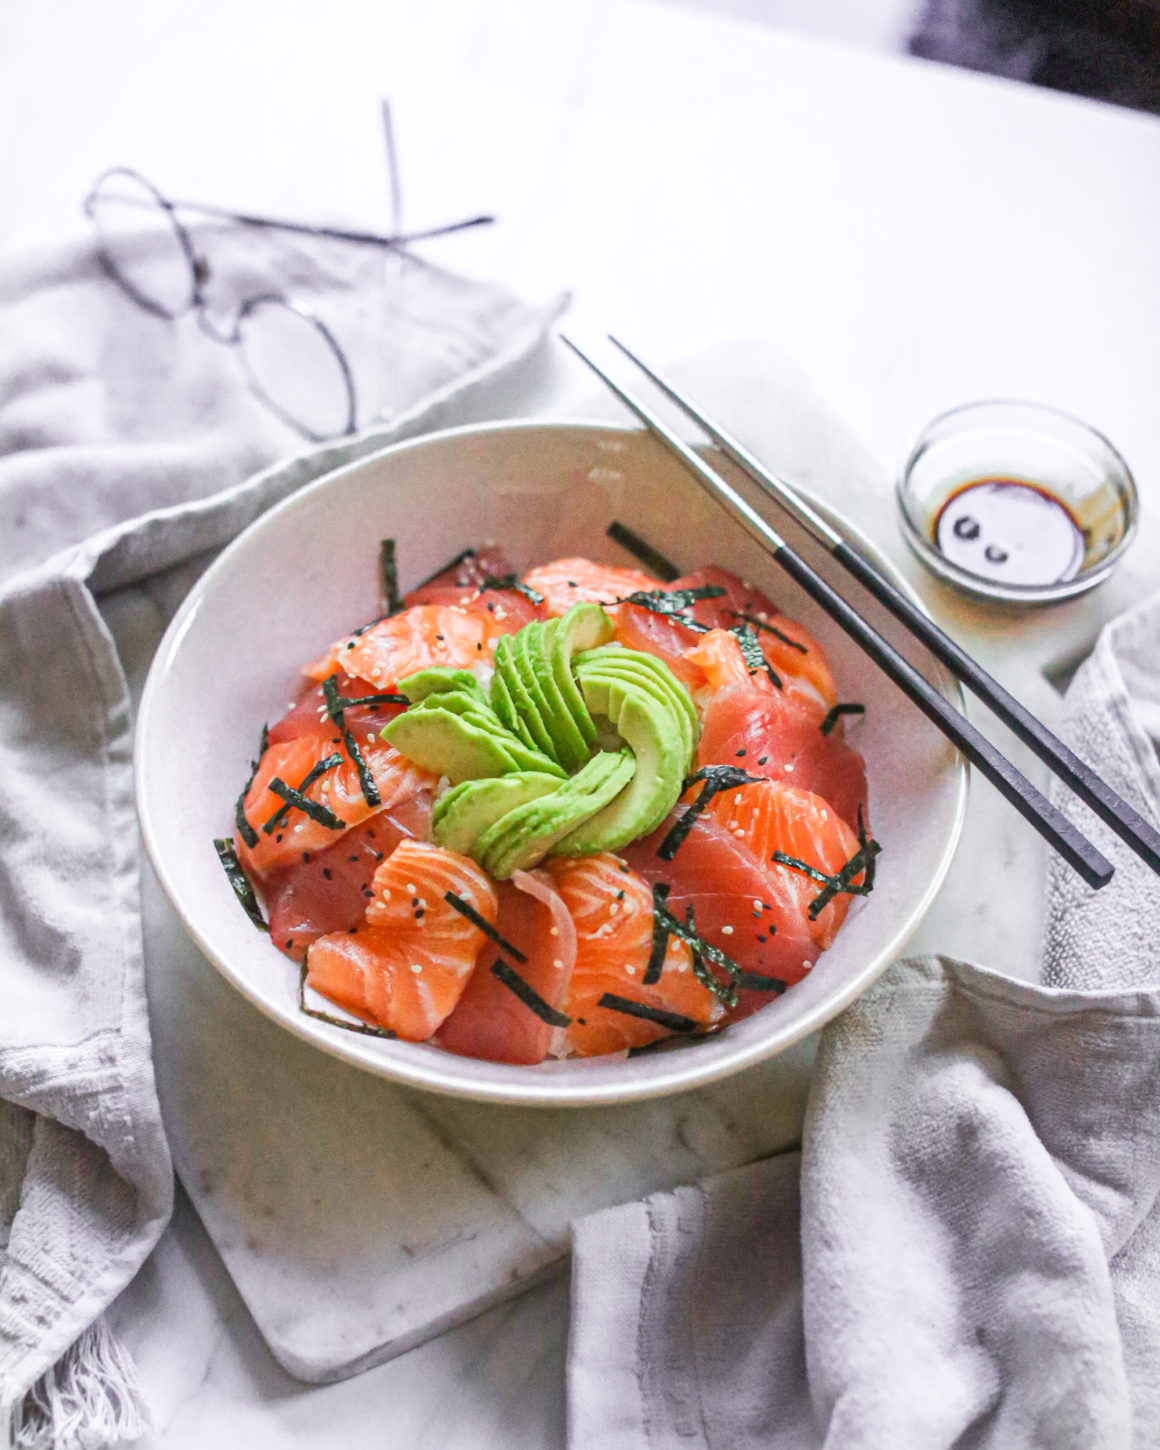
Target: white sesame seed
<point>726,931</point>
<point>553,931</point>
<point>416,968</point>
<point>613,909</point>
<point>410,886</point>
<point>558,964</point>
<point>807,966</point>
<point>756,904</point>
<point>630,969</point>
<point>789,765</point>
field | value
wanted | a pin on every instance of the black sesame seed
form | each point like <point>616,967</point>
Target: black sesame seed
<point>761,938</point>
<point>326,873</point>
<point>353,858</point>
<point>740,754</point>
<point>439,637</point>
<point>278,838</point>
<point>306,858</point>
<point>762,759</point>
<point>414,901</point>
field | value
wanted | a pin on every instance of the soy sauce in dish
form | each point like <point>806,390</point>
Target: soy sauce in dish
<point>1011,531</point>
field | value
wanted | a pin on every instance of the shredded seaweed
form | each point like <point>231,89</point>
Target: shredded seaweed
<point>759,982</point>
<point>660,936</point>
<point>863,838</point>
<point>758,623</point>
<point>672,602</point>
<point>671,1044</point>
<point>837,712</point>
<point>336,708</point>
<point>674,1021</point>
<point>513,581</point>
<point>703,952</point>
<point>842,881</point>
<point>282,813</point>
<point>717,778</point>
<point>245,830</point>
<point>528,994</point>
<point>465,908</point>
<point>798,865</point>
<point>754,655</point>
<point>389,578</point>
<point>240,882</point>
<point>365,1028</point>
<point>349,703</point>
<point>301,802</point>
<point>654,561</point>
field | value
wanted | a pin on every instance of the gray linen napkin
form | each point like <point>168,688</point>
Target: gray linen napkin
<point>966,1252</point>
<point>107,413</point>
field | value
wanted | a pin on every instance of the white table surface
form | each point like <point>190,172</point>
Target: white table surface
<point>914,237</point>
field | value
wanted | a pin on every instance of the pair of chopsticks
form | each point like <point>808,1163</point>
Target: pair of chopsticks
<point>1054,827</point>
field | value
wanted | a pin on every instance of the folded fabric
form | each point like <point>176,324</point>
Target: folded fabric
<point>967,1250</point>
<point>106,414</point>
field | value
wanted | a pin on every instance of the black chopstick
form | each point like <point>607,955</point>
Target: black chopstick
<point>1079,777</point>
<point>1054,827</point>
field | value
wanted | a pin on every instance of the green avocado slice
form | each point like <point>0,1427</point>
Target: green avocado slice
<point>506,682</point>
<point>468,810</point>
<point>569,746</point>
<point>583,628</point>
<point>654,732</point>
<point>538,720</point>
<point>651,673</point>
<point>439,680</point>
<point>525,835</point>
<point>449,744</point>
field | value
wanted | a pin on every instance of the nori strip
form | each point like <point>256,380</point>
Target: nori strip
<point>349,704</point>
<point>672,601</point>
<point>528,994</point>
<point>365,1028</point>
<point>303,803</point>
<point>753,655</point>
<point>283,812</point>
<point>513,581</point>
<point>758,982</point>
<point>674,1021</point>
<point>643,552</point>
<point>660,937</point>
<point>804,866</point>
<point>872,864</point>
<point>840,709</point>
<point>239,881</point>
<point>703,953</point>
<point>758,623</point>
<point>389,578</point>
<point>841,881</point>
<point>465,908</point>
<point>717,778</point>
<point>671,1044</point>
<point>245,830</point>
<point>336,708</point>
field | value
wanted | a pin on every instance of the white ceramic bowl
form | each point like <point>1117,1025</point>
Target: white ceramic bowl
<point>306,573</point>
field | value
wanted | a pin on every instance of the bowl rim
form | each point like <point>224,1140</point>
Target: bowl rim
<point>683,1073</point>
<point>1029,594</point>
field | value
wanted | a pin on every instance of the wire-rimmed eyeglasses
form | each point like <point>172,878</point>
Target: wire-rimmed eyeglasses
<point>290,359</point>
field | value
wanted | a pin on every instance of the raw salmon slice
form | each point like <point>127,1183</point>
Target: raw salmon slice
<point>769,817</point>
<point>660,635</point>
<point>338,790</point>
<point>406,968</point>
<point>612,909</point>
<point>777,733</point>
<point>491,1021</point>
<point>416,639</point>
<point>566,582</point>
<point>788,646</point>
<point>309,711</point>
<point>327,891</point>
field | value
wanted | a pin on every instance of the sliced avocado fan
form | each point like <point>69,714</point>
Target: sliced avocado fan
<point>578,746</point>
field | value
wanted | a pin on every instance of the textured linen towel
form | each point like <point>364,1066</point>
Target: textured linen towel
<point>966,1252</point>
<point>106,412</point>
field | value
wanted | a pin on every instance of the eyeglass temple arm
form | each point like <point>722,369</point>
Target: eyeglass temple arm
<point>372,238</point>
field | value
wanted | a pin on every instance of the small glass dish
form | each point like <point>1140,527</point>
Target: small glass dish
<point>1017,502</point>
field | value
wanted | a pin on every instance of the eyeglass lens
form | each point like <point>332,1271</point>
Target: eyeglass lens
<point>143,245</point>
<point>294,364</point>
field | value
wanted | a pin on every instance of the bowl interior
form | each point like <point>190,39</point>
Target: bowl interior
<point>306,573</point>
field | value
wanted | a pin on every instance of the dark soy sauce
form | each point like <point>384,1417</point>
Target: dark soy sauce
<point>1010,531</point>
